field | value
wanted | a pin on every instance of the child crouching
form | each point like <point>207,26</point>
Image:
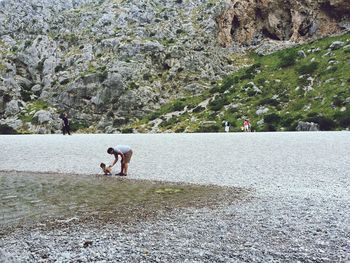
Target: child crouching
<point>106,169</point>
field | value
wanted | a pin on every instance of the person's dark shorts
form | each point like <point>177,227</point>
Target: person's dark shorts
<point>127,157</point>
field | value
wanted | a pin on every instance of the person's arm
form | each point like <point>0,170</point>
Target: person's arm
<point>115,160</point>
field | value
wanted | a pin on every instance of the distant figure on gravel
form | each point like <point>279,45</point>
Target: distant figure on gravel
<point>65,128</point>
<point>227,126</point>
<point>125,153</point>
<point>246,125</point>
<point>107,170</point>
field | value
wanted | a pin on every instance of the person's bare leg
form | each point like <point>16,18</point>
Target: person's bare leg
<point>122,168</point>
<point>126,166</point>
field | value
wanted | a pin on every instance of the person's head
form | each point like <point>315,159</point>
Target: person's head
<point>103,165</point>
<point>110,150</point>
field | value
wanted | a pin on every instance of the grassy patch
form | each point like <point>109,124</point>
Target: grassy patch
<point>31,109</point>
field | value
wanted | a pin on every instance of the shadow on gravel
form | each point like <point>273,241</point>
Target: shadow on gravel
<point>53,200</point>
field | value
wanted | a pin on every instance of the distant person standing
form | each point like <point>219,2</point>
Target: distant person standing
<point>125,153</point>
<point>246,125</point>
<point>65,128</point>
<point>227,126</point>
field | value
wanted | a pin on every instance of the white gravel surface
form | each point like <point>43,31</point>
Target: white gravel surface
<point>299,211</point>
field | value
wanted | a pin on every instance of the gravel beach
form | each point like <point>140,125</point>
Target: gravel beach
<point>298,211</point>
<point>267,229</point>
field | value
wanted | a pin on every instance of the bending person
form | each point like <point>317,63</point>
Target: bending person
<point>125,153</point>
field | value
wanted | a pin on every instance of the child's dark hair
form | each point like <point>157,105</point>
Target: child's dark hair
<point>103,165</point>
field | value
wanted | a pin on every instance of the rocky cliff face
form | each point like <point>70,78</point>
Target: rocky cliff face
<point>250,22</point>
<point>109,62</point>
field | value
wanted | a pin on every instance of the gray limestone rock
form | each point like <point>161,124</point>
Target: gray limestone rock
<point>262,110</point>
<point>12,122</point>
<point>336,45</point>
<point>307,126</point>
<point>43,116</point>
<point>12,108</point>
<point>301,53</point>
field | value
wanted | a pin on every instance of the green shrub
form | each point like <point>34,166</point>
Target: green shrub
<point>216,89</point>
<point>287,58</point>
<point>250,72</point>
<point>133,86</point>
<point>332,69</point>
<point>218,103</point>
<point>338,102</point>
<point>35,120</point>
<point>343,118</point>
<point>344,121</point>
<point>198,109</point>
<point>308,68</point>
<point>169,123</point>
<point>251,92</point>
<point>209,128</point>
<point>76,125</point>
<point>59,68</point>
<point>27,43</point>
<point>127,130</point>
<point>269,101</point>
<point>289,123</point>
<point>102,75</point>
<point>178,106</point>
<point>272,118</point>
<point>261,81</point>
<point>119,122</point>
<point>110,114</point>
<point>268,127</point>
<point>180,130</point>
<point>228,83</point>
<point>154,115</point>
<point>71,38</point>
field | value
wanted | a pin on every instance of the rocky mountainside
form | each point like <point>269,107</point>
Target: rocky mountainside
<point>305,88</point>
<point>110,63</point>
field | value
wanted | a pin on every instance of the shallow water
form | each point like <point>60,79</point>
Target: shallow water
<point>27,198</point>
<point>297,163</point>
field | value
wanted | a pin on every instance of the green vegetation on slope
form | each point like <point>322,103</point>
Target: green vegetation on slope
<point>310,83</point>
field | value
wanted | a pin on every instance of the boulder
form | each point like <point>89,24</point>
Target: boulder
<point>336,45</point>
<point>262,110</point>
<point>12,122</point>
<point>307,126</point>
<point>301,53</point>
<point>43,116</point>
<point>12,108</point>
